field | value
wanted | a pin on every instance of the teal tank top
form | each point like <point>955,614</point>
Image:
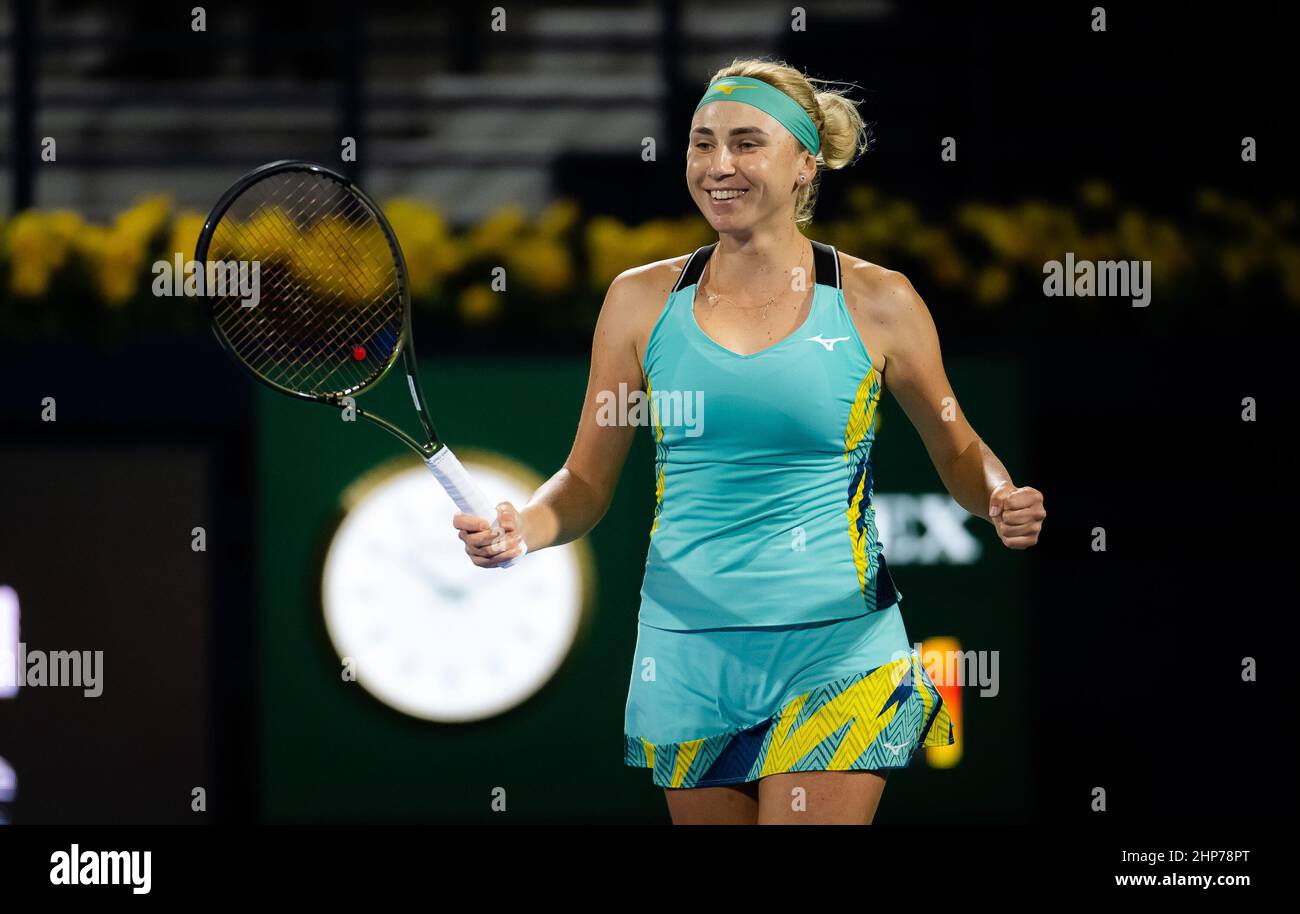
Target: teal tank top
<point>763,484</point>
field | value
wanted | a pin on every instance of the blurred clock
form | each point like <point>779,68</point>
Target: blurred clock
<point>428,632</point>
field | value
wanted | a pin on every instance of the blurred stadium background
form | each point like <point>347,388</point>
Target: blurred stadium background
<point>522,148</point>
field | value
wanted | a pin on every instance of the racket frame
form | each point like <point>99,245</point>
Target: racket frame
<point>404,346</point>
<point>436,455</point>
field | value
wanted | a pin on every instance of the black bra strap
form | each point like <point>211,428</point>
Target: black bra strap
<point>694,267</point>
<point>826,266</point>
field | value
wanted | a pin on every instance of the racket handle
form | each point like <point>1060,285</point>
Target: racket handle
<point>464,491</point>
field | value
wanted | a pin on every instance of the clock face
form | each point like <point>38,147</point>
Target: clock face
<point>427,631</point>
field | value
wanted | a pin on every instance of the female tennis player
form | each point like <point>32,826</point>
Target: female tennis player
<point>773,680</point>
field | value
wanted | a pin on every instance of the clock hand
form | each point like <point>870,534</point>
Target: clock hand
<point>430,577</point>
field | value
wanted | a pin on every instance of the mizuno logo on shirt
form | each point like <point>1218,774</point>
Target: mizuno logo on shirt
<point>829,344</point>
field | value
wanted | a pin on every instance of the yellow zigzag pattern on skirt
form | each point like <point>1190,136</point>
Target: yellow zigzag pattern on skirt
<point>871,720</point>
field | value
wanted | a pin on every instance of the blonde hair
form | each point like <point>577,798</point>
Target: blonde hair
<point>843,134</point>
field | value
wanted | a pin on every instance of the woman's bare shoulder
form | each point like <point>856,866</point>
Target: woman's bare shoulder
<point>652,282</point>
<point>876,295</point>
<point>869,282</point>
<point>882,303</point>
<point>637,297</point>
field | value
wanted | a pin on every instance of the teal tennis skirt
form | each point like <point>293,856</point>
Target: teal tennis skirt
<point>729,705</point>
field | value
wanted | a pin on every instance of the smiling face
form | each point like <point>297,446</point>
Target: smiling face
<point>748,153</point>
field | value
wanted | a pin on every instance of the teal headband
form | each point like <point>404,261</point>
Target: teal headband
<point>766,97</point>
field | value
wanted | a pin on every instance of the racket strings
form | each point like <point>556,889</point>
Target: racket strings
<point>357,326</point>
<point>300,297</point>
<point>256,327</point>
<point>331,303</point>
<point>294,296</point>
<point>356,323</point>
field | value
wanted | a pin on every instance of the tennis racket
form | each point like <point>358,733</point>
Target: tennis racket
<point>333,311</point>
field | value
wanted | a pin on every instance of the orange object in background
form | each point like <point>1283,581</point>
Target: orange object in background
<point>939,658</point>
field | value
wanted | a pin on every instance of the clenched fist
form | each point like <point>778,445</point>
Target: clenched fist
<point>1017,514</point>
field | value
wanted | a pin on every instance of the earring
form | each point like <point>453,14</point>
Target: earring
<point>803,178</point>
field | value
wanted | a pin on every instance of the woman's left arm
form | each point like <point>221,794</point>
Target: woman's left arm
<point>971,472</point>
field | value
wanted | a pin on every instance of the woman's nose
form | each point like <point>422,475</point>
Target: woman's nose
<point>721,162</point>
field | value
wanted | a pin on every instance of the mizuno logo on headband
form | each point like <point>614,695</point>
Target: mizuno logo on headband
<point>766,97</point>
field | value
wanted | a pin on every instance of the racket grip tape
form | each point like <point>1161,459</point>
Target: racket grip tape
<point>464,491</point>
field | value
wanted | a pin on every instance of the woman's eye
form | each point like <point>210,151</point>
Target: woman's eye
<point>748,143</point>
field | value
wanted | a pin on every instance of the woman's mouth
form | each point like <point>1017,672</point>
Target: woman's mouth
<point>722,196</point>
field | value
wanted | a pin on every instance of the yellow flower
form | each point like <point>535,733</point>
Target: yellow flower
<point>62,227</point>
<point>31,260</point>
<point>876,230</point>
<point>1209,201</point>
<point>653,240</point>
<point>541,263</point>
<point>605,251</point>
<point>841,236</point>
<point>1236,263</point>
<point>479,304</point>
<point>269,235</point>
<point>120,261</point>
<point>430,251</point>
<point>992,284</point>
<point>365,275</point>
<point>863,198</point>
<point>144,220</point>
<point>1004,232</point>
<point>1288,263</point>
<point>613,247</point>
<point>1170,251</point>
<point>90,242</point>
<point>1096,194</point>
<point>186,227</point>
<point>902,214</point>
<point>948,266</point>
<point>28,280</point>
<point>1132,231</point>
<point>598,241</point>
<point>496,233</point>
<point>557,218</point>
<point>925,242</point>
<point>1141,238</point>
<point>116,283</point>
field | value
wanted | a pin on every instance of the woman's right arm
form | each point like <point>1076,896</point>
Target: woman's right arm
<point>573,501</point>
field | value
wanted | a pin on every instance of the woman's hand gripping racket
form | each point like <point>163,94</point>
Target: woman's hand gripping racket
<point>333,311</point>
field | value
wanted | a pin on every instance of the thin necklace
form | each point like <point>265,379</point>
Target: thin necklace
<point>715,298</point>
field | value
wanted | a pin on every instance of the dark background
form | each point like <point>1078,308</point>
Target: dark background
<point>1126,418</point>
